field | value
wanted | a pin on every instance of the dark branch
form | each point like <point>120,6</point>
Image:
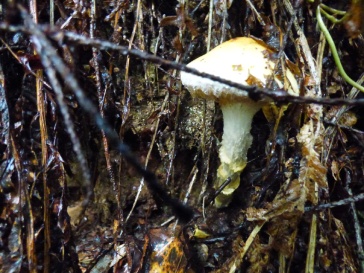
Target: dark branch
<point>278,96</point>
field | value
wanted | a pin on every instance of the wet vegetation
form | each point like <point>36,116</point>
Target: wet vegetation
<point>107,164</point>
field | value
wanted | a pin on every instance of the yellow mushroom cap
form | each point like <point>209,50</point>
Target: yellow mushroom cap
<point>241,60</point>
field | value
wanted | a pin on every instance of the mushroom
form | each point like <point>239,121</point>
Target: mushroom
<point>242,60</point>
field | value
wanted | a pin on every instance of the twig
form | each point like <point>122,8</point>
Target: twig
<point>256,93</point>
<point>342,202</point>
<point>260,19</point>
<point>41,107</point>
<point>357,227</point>
<point>141,184</point>
<point>211,8</point>
<point>279,96</point>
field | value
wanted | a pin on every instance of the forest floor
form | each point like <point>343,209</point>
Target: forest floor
<point>108,164</point>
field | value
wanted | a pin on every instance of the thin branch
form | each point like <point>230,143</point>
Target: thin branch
<point>342,202</point>
<point>255,93</point>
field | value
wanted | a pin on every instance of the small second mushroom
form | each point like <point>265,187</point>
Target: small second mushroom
<point>242,60</point>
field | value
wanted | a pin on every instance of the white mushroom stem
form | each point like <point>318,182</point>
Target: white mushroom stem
<point>236,141</point>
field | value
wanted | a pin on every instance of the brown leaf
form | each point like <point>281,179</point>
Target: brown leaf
<point>348,119</point>
<point>354,23</point>
<point>167,253</point>
<point>311,169</point>
<point>289,201</point>
<point>180,20</point>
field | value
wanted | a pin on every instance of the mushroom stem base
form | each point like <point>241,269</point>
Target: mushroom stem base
<point>236,141</point>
